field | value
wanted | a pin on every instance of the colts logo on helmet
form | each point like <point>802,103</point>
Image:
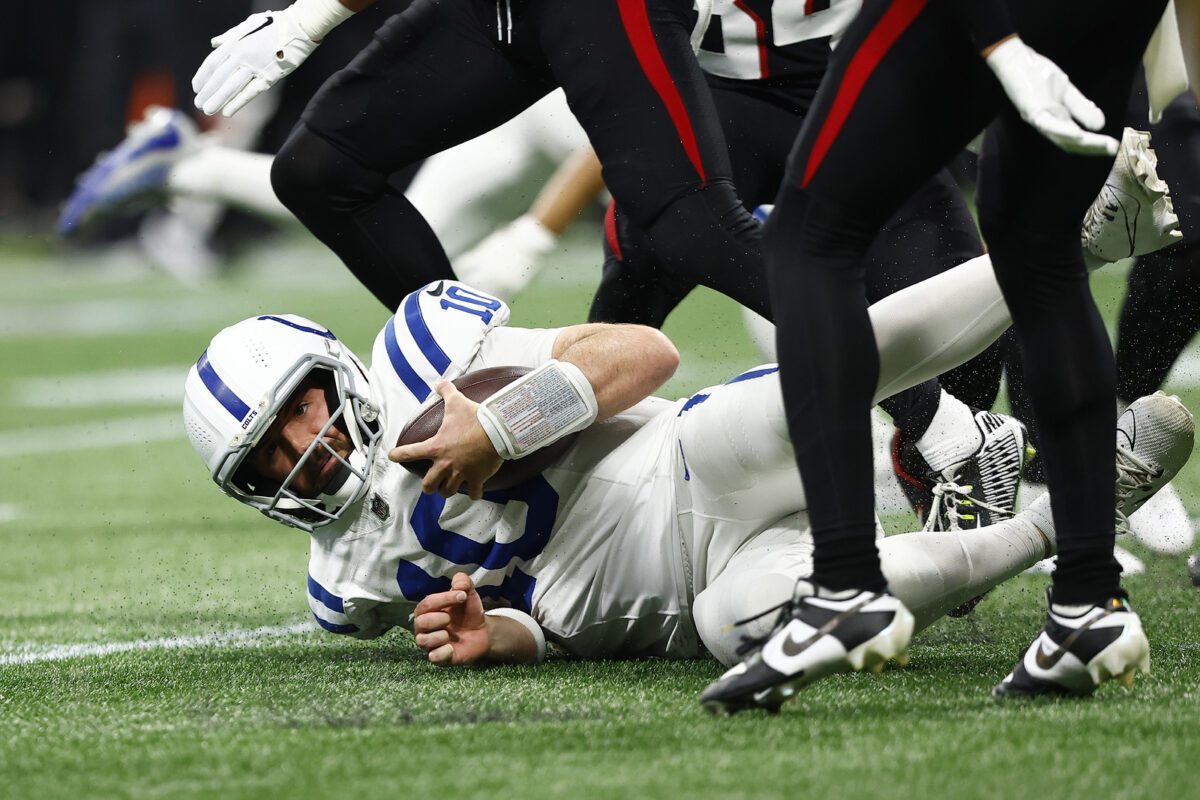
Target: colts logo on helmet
<point>249,418</point>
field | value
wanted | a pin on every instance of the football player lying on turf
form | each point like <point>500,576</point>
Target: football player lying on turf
<point>661,525</point>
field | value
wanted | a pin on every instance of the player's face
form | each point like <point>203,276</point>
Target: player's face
<point>295,428</point>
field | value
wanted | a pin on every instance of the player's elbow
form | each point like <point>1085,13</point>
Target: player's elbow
<point>658,356</point>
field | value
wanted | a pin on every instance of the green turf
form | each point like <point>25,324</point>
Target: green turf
<point>129,541</point>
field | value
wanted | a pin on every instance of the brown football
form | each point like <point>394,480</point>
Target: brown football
<point>478,386</point>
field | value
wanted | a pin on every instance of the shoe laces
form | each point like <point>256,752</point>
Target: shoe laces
<point>750,644</point>
<point>959,504</point>
<point>1132,474</point>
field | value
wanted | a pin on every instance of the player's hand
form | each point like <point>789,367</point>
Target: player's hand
<point>249,59</point>
<point>1045,98</point>
<point>450,626</point>
<point>461,451</point>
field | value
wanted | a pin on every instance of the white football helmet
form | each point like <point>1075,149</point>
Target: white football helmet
<point>239,385</point>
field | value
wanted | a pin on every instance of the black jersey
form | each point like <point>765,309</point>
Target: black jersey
<point>768,39</point>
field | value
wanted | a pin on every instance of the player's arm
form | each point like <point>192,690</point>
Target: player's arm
<point>1037,87</point>
<point>253,56</point>
<point>596,370</point>
<point>453,629</point>
<point>624,364</point>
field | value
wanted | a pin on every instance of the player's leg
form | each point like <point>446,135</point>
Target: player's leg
<point>1033,240</point>
<point>434,76</point>
<point>1161,313</point>
<point>933,572</point>
<point>633,82</point>
<point>634,286</point>
<point>904,93</point>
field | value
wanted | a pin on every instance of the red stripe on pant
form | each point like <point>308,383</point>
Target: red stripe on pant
<point>864,61</point>
<point>610,229</point>
<point>641,37</point>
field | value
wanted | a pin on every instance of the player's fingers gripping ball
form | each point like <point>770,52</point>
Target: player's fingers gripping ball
<point>530,418</point>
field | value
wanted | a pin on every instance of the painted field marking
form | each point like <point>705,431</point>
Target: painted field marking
<point>91,435</point>
<point>241,637</point>
<point>149,386</point>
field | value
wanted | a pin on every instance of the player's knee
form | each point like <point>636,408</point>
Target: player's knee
<point>731,599</point>
<point>697,226</point>
<point>309,175</point>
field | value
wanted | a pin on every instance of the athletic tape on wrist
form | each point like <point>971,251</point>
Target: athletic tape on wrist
<point>529,624</point>
<point>538,409</point>
<point>318,17</point>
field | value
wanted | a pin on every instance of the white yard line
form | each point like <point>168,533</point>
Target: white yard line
<point>239,637</point>
<point>91,435</point>
<point>9,512</point>
<point>152,385</point>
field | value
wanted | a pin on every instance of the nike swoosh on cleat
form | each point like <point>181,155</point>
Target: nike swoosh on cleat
<point>1048,661</point>
<point>791,647</point>
<point>266,22</point>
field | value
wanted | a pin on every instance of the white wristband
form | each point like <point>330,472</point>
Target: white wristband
<point>538,409</point>
<point>318,17</point>
<point>529,623</point>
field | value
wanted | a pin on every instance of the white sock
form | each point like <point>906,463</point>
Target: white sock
<point>234,177</point>
<point>935,572</point>
<point>952,436</point>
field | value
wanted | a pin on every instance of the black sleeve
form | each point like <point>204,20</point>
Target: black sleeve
<point>986,21</point>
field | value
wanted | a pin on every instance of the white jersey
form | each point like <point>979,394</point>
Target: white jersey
<point>591,548</point>
<point>757,39</point>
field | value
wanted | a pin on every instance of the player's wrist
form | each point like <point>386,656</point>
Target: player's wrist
<point>538,409</point>
<point>318,17</point>
<point>531,648</point>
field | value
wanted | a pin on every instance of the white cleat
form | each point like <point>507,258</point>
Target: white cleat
<point>1133,214</point>
<point>815,636</point>
<point>1154,440</point>
<point>1078,649</point>
<point>982,489</point>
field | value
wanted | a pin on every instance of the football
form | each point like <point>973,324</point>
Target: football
<point>478,386</point>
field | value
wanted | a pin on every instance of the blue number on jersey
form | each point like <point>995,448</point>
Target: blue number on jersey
<point>480,305</point>
<point>517,587</point>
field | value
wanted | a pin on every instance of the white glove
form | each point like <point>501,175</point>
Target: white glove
<point>1046,99</point>
<point>253,56</point>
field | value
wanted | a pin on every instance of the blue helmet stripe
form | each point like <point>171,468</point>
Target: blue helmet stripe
<point>407,374</point>
<point>420,332</point>
<point>225,396</point>
<point>305,328</point>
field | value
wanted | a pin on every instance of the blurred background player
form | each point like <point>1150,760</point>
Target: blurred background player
<point>165,160</point>
<point>647,114</point>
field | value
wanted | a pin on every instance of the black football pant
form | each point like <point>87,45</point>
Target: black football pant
<point>444,71</point>
<point>1161,312</point>
<point>931,233</point>
<point>905,92</point>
